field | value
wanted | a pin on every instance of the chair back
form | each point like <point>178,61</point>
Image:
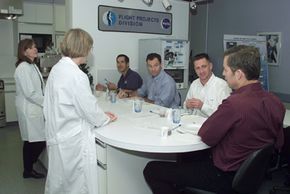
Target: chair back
<point>251,173</point>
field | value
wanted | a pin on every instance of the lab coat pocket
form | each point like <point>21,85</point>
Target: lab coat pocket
<point>34,110</point>
<point>73,162</point>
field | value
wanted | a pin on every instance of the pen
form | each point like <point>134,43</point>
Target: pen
<point>170,130</point>
<point>160,114</point>
<point>175,127</point>
<point>154,112</point>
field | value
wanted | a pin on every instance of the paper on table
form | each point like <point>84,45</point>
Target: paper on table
<point>191,124</point>
<point>189,128</point>
<point>187,119</point>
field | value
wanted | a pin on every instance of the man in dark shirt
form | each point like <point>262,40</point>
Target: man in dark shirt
<point>129,80</point>
<point>246,121</point>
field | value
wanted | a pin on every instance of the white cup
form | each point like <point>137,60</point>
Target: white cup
<point>98,93</point>
<point>164,132</point>
<point>162,112</point>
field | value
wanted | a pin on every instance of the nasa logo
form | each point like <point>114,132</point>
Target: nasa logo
<point>165,23</point>
<point>109,18</point>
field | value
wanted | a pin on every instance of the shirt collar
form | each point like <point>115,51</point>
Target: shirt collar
<point>69,61</point>
<point>208,81</point>
<point>127,73</point>
<point>159,76</point>
<point>248,88</point>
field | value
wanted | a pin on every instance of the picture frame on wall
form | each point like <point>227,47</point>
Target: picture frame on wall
<point>273,40</point>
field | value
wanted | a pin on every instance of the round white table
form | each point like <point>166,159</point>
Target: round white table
<point>125,146</point>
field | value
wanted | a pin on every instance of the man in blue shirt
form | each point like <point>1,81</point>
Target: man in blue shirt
<point>129,80</point>
<point>159,88</point>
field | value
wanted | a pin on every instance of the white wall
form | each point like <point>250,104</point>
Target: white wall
<point>7,48</point>
<point>107,45</point>
<point>227,17</point>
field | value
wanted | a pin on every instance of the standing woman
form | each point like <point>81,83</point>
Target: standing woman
<point>72,115</point>
<point>29,100</point>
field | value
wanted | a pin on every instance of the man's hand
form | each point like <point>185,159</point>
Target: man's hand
<point>111,86</point>
<point>123,94</point>
<point>148,100</point>
<point>100,87</point>
<point>194,103</point>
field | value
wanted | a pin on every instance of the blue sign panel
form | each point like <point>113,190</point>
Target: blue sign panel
<point>134,20</point>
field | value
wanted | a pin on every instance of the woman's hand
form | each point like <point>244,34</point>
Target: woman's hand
<point>112,116</point>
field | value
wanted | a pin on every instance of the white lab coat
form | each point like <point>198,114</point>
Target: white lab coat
<point>72,114</point>
<point>28,101</point>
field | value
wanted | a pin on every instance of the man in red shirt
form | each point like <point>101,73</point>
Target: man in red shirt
<point>246,121</point>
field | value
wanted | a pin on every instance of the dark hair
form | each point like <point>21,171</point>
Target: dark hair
<point>125,56</point>
<point>23,45</point>
<point>245,58</point>
<point>152,56</point>
<point>201,56</point>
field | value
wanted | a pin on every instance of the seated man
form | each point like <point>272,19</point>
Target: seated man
<point>246,121</point>
<point>159,88</point>
<point>208,91</point>
<point>129,80</point>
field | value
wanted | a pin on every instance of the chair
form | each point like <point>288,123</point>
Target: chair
<point>250,175</point>
<point>285,153</point>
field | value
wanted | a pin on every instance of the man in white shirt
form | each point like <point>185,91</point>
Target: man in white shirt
<point>208,91</point>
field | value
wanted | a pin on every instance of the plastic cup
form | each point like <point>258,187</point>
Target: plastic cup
<point>113,97</point>
<point>137,105</point>
<point>176,116</point>
<point>98,93</point>
<point>162,112</point>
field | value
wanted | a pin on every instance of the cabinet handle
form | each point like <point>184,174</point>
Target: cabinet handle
<point>100,143</point>
<point>101,165</point>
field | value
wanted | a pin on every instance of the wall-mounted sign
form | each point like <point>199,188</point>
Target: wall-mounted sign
<point>134,20</point>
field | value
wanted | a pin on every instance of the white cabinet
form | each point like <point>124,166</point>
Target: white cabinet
<point>37,13</point>
<point>44,14</point>
<point>59,18</point>
<point>9,88</point>
<point>102,166</point>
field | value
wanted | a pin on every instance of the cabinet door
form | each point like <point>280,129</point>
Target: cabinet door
<point>29,14</point>
<point>37,13</point>
<point>10,108</point>
<point>44,14</point>
<point>59,18</point>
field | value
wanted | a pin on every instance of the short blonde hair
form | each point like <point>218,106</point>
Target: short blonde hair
<point>76,43</point>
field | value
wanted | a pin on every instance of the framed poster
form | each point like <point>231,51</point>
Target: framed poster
<point>273,41</point>
<point>256,41</point>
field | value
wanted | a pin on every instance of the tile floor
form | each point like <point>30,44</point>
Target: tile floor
<point>11,181</point>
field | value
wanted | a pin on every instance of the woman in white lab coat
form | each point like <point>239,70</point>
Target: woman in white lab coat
<point>29,100</point>
<point>72,114</point>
